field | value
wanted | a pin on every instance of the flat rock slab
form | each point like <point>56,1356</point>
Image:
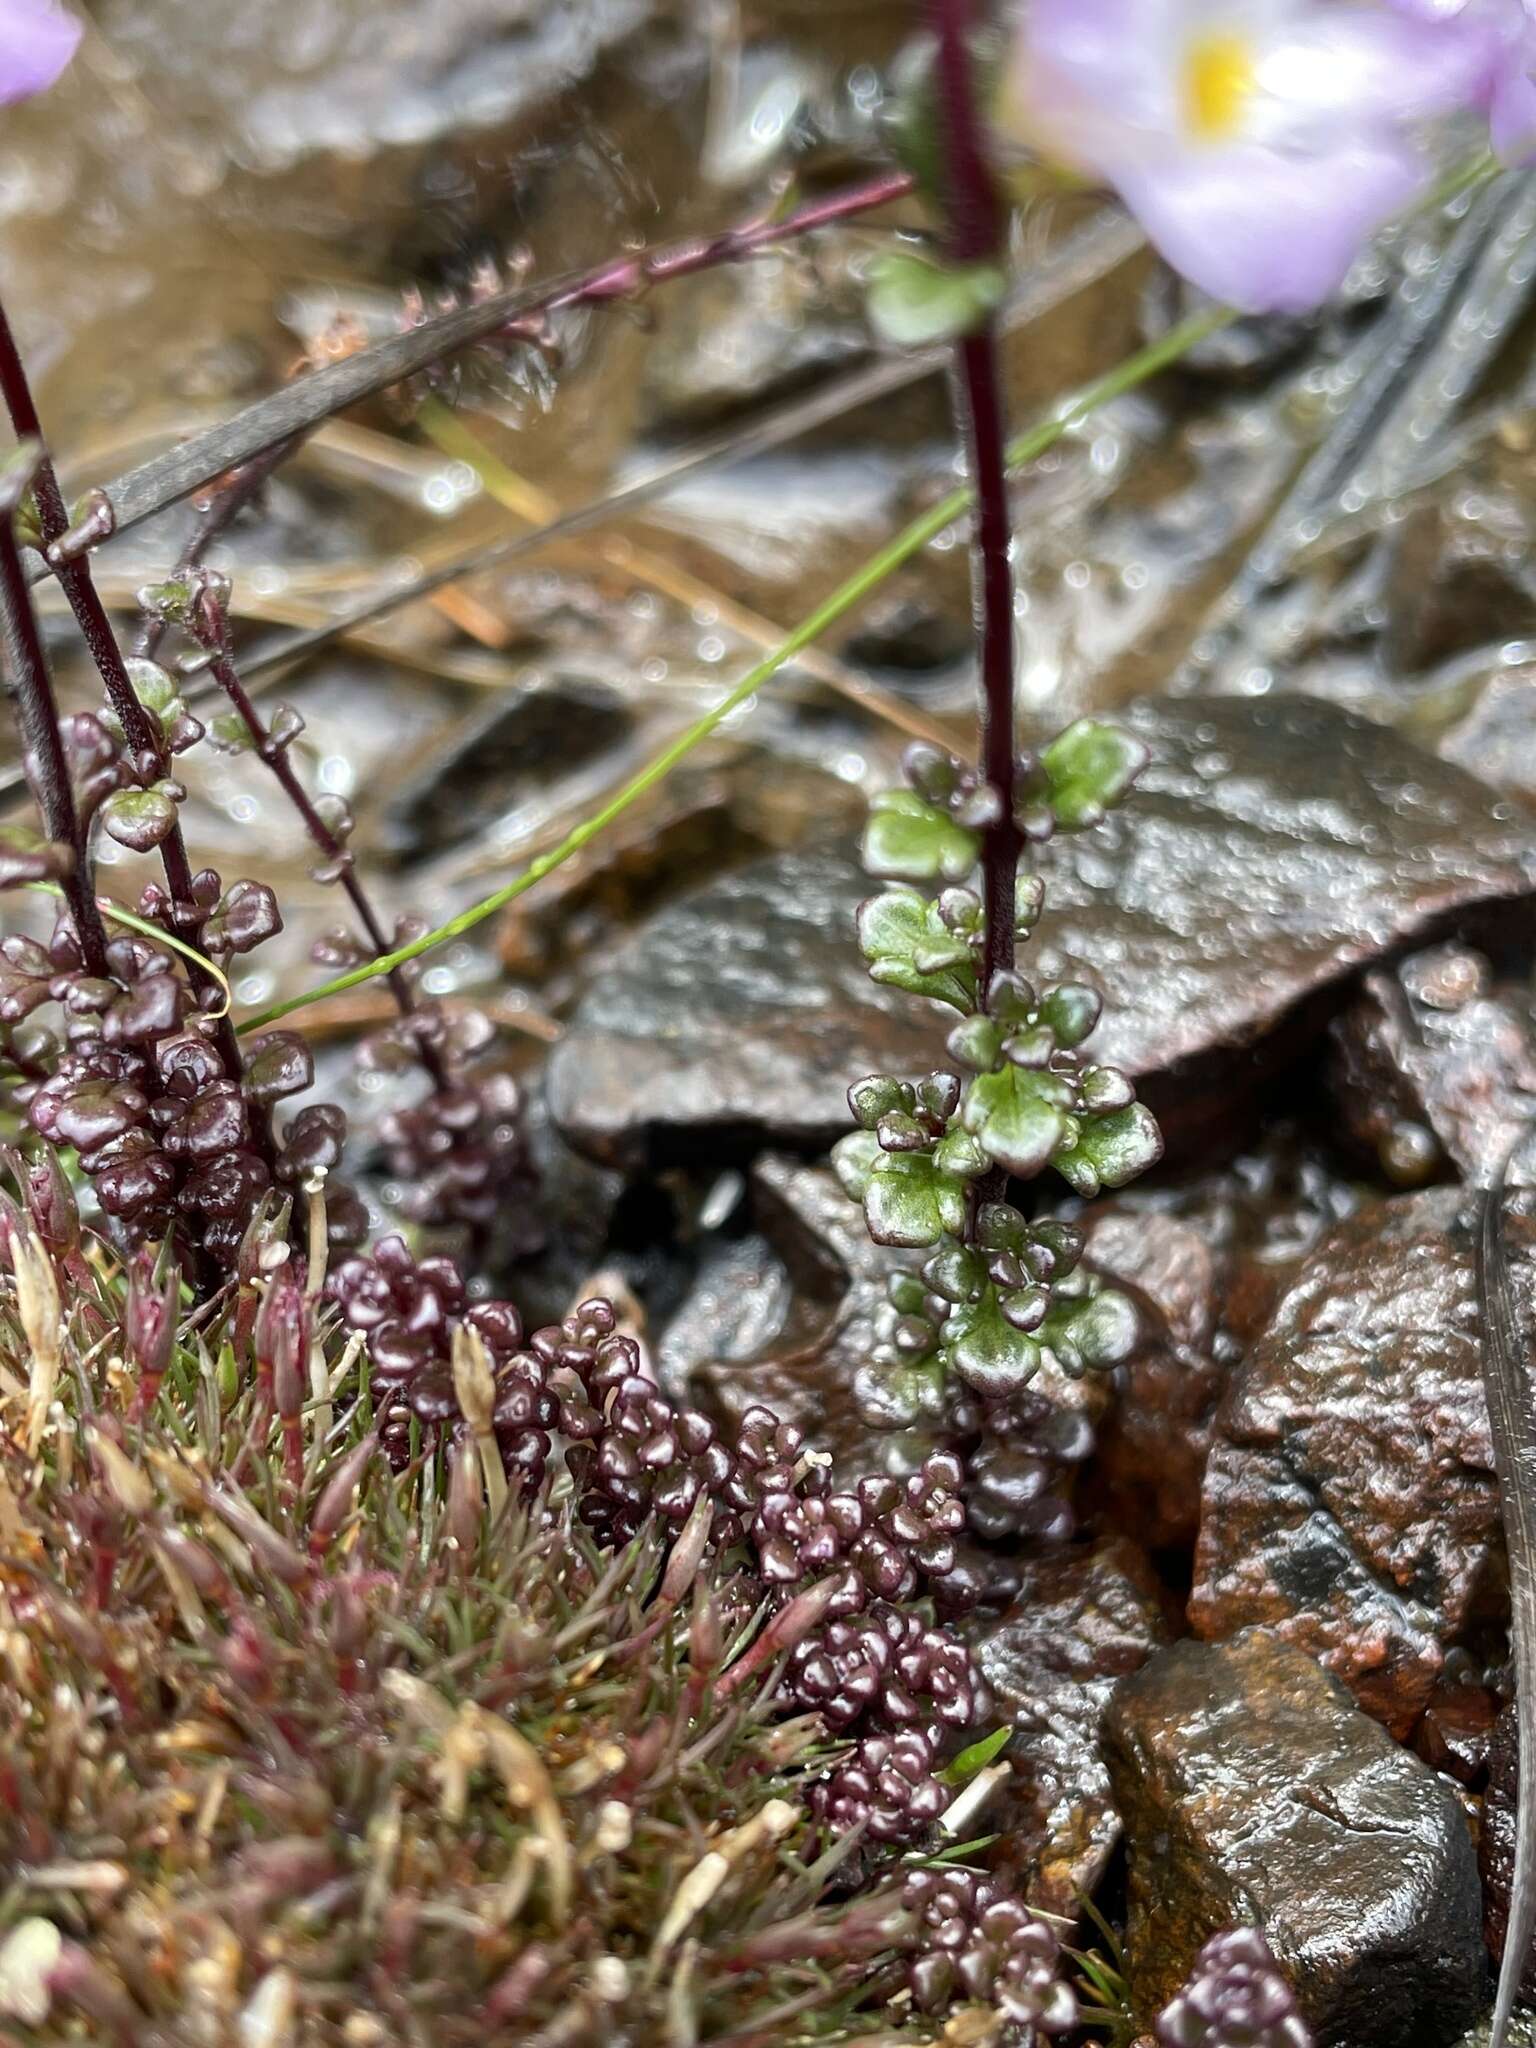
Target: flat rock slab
<point>1350,1499</point>
<point>1253,1789</point>
<point>1271,848</point>
<point>1083,1619</point>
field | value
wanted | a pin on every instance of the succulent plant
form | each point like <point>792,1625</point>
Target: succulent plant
<point>979,1941</point>
<point>997,1293</point>
<point>304,1750</point>
<point>1234,1997</point>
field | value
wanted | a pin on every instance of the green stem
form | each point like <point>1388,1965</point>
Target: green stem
<point>1125,376</point>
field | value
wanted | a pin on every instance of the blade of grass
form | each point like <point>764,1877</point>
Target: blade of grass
<point>1126,376</point>
<point>1510,1381</point>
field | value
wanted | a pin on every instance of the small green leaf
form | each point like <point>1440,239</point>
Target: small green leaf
<point>909,840</point>
<point>977,1042</point>
<point>877,1095</point>
<point>853,1161</point>
<point>912,1201</point>
<point>1110,1150</point>
<point>1089,768</point>
<point>958,1152</point>
<point>1020,1115</point>
<point>894,927</point>
<point>1092,1333</point>
<point>1071,1009</point>
<point>139,818</point>
<point>988,1353</point>
<point>976,1757</point>
<point>914,302</point>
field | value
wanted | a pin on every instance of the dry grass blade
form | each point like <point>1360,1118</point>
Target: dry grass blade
<point>1509,1374</point>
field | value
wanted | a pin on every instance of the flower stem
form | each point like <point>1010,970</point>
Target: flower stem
<point>1125,376</point>
<point>144,742</point>
<point>213,633</point>
<point>47,770</point>
<point>975,230</point>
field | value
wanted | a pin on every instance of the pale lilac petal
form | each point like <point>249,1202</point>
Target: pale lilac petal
<point>1356,66</point>
<point>1512,117</point>
<point>37,40</point>
<point>1265,231</point>
<point>1105,53</point>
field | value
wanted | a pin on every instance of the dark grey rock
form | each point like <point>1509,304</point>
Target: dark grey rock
<point>1082,1619</point>
<point>1271,849</point>
<point>1350,1499</point>
<point>1253,1789</point>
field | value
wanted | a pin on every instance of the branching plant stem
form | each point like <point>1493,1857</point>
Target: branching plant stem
<point>1126,376</point>
<point>144,743</point>
<point>195,463</point>
<point>47,770</point>
<point>275,755</point>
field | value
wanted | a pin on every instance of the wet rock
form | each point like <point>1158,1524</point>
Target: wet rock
<point>1272,848</point>
<point>1082,1619</point>
<point>804,1367</point>
<point>517,747</point>
<point>1455,1731</point>
<point>575,1205</point>
<point>1496,1843</point>
<point>738,337</point>
<point>1433,1068</point>
<point>1497,738</point>
<point>1152,1452</point>
<point>737,1305</point>
<point>1350,1498</point>
<point>1454,580</point>
<point>1253,1789</point>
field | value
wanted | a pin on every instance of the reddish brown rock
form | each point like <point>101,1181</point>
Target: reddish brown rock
<point>1433,1068</point>
<point>1254,1791</point>
<point>1206,1262</point>
<point>1083,1619</point>
<point>1350,1499</point>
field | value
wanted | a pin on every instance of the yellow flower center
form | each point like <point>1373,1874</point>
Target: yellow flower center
<point>1218,83</point>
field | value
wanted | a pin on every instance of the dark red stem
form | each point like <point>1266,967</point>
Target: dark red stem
<point>626,275</point>
<point>227,499</point>
<point>47,770</point>
<point>975,232</point>
<point>213,631</point>
<point>144,742</point>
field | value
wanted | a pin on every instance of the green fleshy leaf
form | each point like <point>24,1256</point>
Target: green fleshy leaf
<point>912,1201</point>
<point>139,818</point>
<point>1071,1009</point>
<point>853,1161</point>
<point>909,840</point>
<point>1110,1150</point>
<point>914,302</point>
<point>1092,1334</point>
<point>893,928</point>
<point>976,1756</point>
<point>1089,768</point>
<point>958,1152</point>
<point>988,1353</point>
<point>1021,1116</point>
<point>978,1042</point>
<point>877,1095</point>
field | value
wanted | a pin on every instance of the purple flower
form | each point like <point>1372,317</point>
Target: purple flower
<point>1259,142</point>
<point>37,40</point>
<point>1500,38</point>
